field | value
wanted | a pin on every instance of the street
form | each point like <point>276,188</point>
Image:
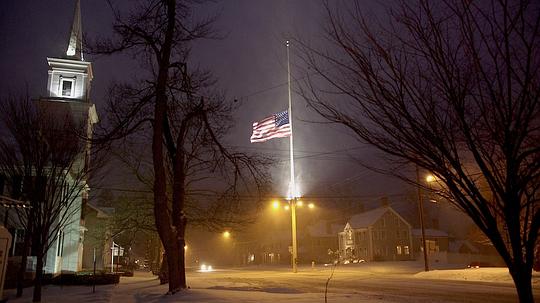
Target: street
<point>357,283</point>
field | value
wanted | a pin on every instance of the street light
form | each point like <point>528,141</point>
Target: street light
<point>293,203</point>
<point>226,234</point>
<point>429,180</point>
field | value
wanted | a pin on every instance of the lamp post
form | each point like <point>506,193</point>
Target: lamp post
<point>293,202</point>
<point>421,214</point>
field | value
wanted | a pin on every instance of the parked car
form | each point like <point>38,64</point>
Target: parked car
<point>478,264</point>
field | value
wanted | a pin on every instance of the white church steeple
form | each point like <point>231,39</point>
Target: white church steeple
<point>70,77</point>
<point>74,49</point>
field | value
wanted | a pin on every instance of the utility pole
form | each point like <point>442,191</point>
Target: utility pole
<point>421,214</point>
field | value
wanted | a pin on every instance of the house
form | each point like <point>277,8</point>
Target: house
<point>320,242</point>
<point>437,244</point>
<point>379,234</point>
<point>436,241</point>
<point>97,239</point>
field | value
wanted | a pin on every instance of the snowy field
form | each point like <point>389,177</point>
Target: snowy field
<point>368,282</point>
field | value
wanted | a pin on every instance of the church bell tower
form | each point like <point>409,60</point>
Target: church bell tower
<point>68,93</point>
<point>70,77</point>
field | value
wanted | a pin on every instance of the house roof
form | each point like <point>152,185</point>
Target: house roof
<point>417,232</point>
<point>455,246</point>
<point>102,212</point>
<point>367,218</point>
<point>324,228</point>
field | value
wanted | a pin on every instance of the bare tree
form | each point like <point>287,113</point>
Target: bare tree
<point>452,86</point>
<point>42,148</point>
<point>192,172</point>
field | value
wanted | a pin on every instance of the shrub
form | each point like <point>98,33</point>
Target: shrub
<point>86,279</point>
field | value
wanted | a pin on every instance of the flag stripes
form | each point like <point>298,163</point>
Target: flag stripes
<point>275,126</point>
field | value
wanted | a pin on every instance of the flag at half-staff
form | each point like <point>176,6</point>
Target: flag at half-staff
<point>275,126</point>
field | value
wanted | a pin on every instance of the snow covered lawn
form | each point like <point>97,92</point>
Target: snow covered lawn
<point>364,283</point>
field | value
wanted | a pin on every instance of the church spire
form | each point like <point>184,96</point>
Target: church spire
<point>74,49</point>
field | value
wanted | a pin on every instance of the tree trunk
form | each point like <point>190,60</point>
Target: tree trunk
<point>174,275</point>
<point>24,259</point>
<point>163,272</point>
<point>38,280</point>
<point>522,276</point>
<point>162,215</point>
<point>181,257</point>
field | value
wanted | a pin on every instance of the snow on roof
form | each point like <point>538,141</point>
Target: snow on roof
<point>324,228</point>
<point>429,232</point>
<point>367,218</point>
<point>102,212</point>
<point>455,246</point>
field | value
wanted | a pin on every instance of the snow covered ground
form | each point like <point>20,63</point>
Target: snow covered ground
<point>365,283</point>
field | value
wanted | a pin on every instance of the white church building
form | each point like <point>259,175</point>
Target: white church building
<point>68,86</point>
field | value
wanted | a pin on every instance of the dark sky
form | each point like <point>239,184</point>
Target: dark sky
<point>250,64</point>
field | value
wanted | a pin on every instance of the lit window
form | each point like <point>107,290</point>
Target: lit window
<point>406,249</point>
<point>398,249</point>
<point>67,87</point>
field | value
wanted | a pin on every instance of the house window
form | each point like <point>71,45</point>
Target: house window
<point>406,249</point>
<point>398,250</point>
<point>432,246</point>
<point>349,237</point>
<point>397,234</point>
<point>405,235</point>
<point>67,87</point>
<point>60,248</point>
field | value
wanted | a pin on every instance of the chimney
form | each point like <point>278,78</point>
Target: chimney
<point>384,202</point>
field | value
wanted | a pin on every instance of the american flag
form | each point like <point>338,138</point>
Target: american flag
<point>275,126</point>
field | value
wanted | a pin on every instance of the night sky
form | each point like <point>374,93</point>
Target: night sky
<point>249,62</point>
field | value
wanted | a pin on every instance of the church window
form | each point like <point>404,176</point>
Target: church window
<point>67,87</point>
<point>60,247</point>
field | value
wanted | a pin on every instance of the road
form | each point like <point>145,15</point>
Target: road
<point>384,286</point>
<point>363,283</point>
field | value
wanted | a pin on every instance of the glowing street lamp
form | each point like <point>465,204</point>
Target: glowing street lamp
<point>226,234</point>
<point>430,178</point>
<point>293,203</point>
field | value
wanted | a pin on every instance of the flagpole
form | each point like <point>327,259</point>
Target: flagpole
<point>292,188</point>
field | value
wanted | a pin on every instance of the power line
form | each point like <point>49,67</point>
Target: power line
<point>321,196</point>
